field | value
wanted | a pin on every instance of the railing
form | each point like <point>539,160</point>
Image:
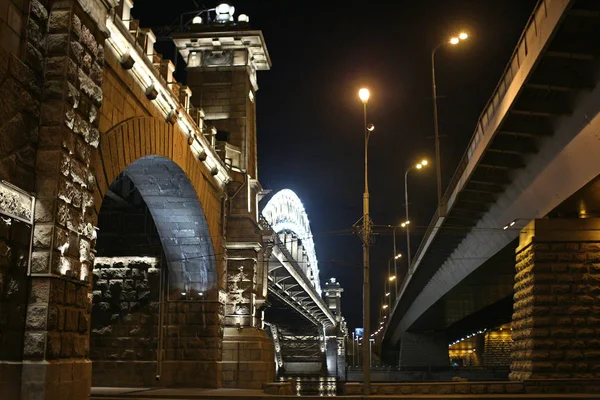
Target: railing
<point>489,111</point>
<point>529,36</point>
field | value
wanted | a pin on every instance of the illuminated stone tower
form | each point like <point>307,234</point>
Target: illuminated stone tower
<point>336,335</point>
<point>223,56</point>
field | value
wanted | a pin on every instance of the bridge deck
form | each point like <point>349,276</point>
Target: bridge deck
<point>554,62</point>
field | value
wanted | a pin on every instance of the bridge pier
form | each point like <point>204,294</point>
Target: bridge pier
<point>556,319</point>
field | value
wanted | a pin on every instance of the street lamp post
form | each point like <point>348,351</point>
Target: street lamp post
<point>406,224</point>
<point>395,257</point>
<point>364,95</point>
<point>438,166</point>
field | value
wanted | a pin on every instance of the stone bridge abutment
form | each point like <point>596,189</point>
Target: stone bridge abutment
<point>85,103</point>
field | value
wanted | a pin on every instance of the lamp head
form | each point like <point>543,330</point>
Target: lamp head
<point>463,36</point>
<point>370,127</point>
<point>454,41</point>
<point>364,95</point>
<point>424,162</point>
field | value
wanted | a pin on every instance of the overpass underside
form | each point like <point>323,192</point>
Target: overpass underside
<point>534,155</point>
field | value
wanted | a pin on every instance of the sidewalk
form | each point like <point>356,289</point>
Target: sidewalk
<point>247,394</point>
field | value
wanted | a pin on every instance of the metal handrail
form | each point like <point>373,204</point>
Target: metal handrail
<point>486,115</point>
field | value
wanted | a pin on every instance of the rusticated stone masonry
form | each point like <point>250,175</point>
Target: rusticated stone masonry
<point>21,27</point>
<point>497,348</point>
<point>556,320</point>
<point>57,326</point>
<point>125,321</point>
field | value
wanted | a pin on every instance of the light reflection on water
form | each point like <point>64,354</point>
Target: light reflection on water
<point>325,386</point>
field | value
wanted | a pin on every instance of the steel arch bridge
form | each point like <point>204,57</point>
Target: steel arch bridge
<point>298,317</point>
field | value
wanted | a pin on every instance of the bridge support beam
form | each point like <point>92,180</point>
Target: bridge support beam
<point>556,319</point>
<point>423,349</point>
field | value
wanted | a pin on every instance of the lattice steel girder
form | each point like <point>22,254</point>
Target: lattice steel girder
<point>279,281</point>
<point>283,296</point>
<point>292,267</point>
<point>275,265</point>
<point>288,287</point>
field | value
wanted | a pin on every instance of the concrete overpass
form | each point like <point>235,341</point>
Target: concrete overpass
<point>534,147</point>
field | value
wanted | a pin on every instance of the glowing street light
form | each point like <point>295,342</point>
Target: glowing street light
<point>392,278</point>
<point>438,165</point>
<point>364,94</point>
<point>385,306</point>
<point>387,294</point>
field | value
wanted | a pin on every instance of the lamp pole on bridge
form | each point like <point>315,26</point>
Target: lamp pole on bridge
<point>364,95</point>
<point>438,166</point>
<point>406,224</point>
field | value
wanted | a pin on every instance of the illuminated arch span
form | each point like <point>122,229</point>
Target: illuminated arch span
<point>285,212</point>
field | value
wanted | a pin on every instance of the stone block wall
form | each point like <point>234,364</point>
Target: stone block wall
<point>57,328</point>
<point>497,348</point>
<point>193,344</point>
<point>125,321</point>
<point>223,94</point>
<point>248,358</point>
<point>556,319</point>
<point>13,20</point>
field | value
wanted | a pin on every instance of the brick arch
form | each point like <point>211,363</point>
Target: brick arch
<point>144,146</point>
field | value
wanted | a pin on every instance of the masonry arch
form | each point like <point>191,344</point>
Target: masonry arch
<point>182,196</point>
<point>158,270</point>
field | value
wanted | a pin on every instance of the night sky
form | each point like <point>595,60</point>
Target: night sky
<point>310,128</point>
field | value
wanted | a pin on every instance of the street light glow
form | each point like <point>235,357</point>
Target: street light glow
<point>454,40</point>
<point>387,294</point>
<point>463,36</point>
<point>385,306</point>
<point>424,162</point>
<point>393,277</point>
<point>398,256</point>
<point>370,127</point>
<point>419,166</point>
<point>364,95</point>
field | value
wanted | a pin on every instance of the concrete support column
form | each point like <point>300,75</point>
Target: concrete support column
<point>56,346</point>
<point>424,349</point>
<point>556,319</point>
